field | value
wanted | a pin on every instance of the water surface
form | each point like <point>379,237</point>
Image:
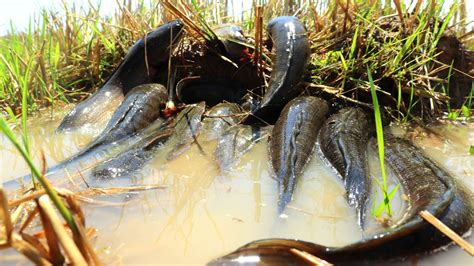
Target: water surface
<point>201,213</point>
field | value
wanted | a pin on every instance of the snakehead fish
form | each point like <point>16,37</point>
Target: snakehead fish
<point>343,141</point>
<point>292,50</point>
<point>175,136</point>
<point>292,142</point>
<point>219,118</point>
<point>145,61</point>
<point>427,187</point>
<point>235,142</point>
<point>140,107</point>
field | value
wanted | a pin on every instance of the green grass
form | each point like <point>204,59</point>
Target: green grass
<point>387,196</point>
<point>64,58</point>
<point>59,59</point>
<point>37,174</point>
<point>402,53</point>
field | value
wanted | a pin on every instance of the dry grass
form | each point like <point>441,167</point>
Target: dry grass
<point>32,226</point>
<point>65,58</point>
<point>51,243</point>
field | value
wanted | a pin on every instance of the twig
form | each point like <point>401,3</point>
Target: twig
<point>38,246</point>
<point>28,250</point>
<point>119,190</point>
<point>55,254</point>
<point>29,218</point>
<point>87,244</point>
<point>346,11</point>
<point>26,198</point>
<point>258,40</point>
<point>65,240</point>
<point>415,13</point>
<point>448,232</point>
<point>400,14</point>
<point>310,258</point>
<point>6,216</point>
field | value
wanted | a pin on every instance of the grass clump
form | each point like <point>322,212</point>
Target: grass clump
<point>418,63</point>
<point>64,58</point>
<point>77,248</point>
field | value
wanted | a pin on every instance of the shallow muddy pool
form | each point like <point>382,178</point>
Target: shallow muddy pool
<point>201,213</point>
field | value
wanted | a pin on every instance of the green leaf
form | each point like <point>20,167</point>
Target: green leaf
<point>383,205</point>
<point>36,173</point>
<point>465,111</point>
<point>453,115</point>
<point>471,150</point>
<point>380,141</point>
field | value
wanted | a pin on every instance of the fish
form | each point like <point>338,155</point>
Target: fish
<point>210,90</point>
<point>134,158</point>
<point>172,138</point>
<point>343,142</point>
<point>219,118</point>
<point>427,187</point>
<point>292,142</point>
<point>64,173</point>
<point>139,109</point>
<point>186,130</point>
<point>233,40</point>
<point>249,102</point>
<point>235,142</point>
<point>145,62</point>
<point>292,51</point>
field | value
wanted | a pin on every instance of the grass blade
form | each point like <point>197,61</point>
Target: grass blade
<point>380,143</point>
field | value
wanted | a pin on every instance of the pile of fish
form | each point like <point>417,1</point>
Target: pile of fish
<point>295,124</point>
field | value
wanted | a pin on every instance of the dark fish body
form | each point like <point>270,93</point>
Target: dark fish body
<point>145,61</point>
<point>293,140</point>
<point>232,37</point>
<point>427,187</point>
<point>175,136</point>
<point>292,51</point>
<point>211,91</point>
<point>219,118</point>
<point>140,107</point>
<point>343,140</point>
<point>97,156</point>
<point>135,157</point>
<point>235,142</point>
<point>186,129</point>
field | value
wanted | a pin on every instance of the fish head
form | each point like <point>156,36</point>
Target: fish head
<point>157,44</point>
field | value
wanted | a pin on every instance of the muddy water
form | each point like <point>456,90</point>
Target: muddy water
<point>43,140</point>
<point>201,213</point>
